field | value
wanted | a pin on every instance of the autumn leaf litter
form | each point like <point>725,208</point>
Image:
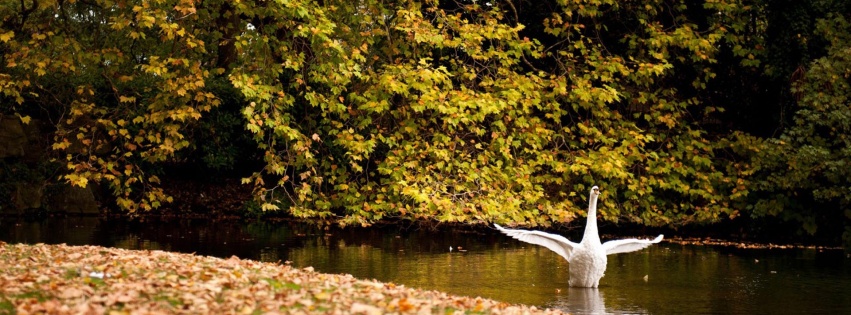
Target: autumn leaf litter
<point>61,279</point>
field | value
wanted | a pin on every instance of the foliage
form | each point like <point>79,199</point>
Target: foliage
<point>444,111</point>
<point>803,175</point>
<point>118,81</point>
<point>462,111</point>
<point>219,141</point>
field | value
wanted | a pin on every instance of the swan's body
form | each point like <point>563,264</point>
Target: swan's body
<point>587,259</point>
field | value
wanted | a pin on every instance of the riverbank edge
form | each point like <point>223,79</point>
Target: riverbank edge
<point>62,279</point>
<point>704,235</point>
<point>200,197</point>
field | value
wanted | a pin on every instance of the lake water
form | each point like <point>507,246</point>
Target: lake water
<point>681,279</point>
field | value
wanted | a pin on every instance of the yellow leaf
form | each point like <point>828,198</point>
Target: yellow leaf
<point>5,37</point>
<point>268,207</point>
<point>77,180</point>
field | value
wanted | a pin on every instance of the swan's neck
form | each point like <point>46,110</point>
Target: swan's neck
<point>591,233</point>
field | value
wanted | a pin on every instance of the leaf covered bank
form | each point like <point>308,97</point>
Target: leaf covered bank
<point>60,279</point>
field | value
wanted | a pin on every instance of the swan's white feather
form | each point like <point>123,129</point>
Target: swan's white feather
<point>629,245</point>
<point>557,243</point>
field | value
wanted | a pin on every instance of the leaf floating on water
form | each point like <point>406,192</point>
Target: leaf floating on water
<point>745,245</point>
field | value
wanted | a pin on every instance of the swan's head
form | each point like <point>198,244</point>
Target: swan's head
<point>595,191</point>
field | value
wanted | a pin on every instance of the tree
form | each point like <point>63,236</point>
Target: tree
<point>457,111</point>
<point>449,111</point>
<point>802,175</point>
<point>118,81</point>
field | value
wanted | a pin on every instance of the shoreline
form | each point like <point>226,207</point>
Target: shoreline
<point>682,237</point>
<point>62,279</point>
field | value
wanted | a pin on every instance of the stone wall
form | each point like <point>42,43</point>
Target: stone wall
<point>28,183</point>
<point>12,137</point>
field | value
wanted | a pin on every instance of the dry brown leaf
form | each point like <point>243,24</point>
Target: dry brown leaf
<point>360,308</point>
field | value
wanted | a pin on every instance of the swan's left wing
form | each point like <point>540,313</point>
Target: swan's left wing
<point>629,245</point>
<point>554,242</point>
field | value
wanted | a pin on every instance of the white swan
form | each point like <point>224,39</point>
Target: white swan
<point>588,258</point>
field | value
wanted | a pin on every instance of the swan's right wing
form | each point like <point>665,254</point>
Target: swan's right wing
<point>556,243</point>
<point>629,245</point>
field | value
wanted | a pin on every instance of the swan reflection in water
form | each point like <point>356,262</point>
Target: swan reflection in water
<point>581,301</point>
<point>589,301</point>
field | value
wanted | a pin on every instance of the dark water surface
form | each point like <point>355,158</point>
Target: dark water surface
<point>680,279</point>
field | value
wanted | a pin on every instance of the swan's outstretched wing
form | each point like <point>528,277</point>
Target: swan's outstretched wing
<point>629,245</point>
<point>556,243</point>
